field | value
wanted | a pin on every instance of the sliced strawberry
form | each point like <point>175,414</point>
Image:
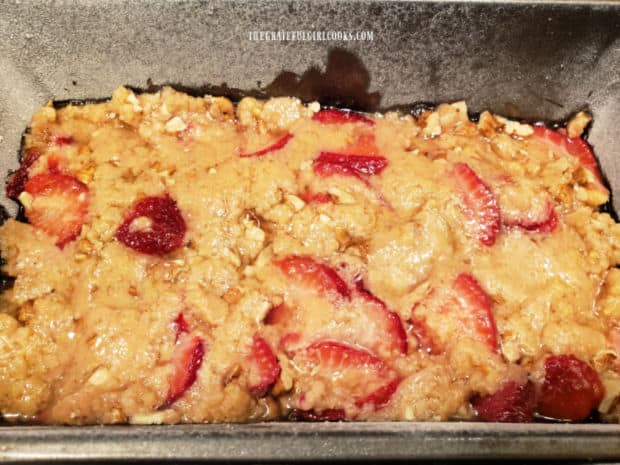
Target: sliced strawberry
<point>186,361</point>
<point>318,197</point>
<point>263,367</point>
<point>571,389</point>
<point>330,414</point>
<point>475,310</point>
<point>59,205</point>
<point>61,140</point>
<point>573,146</point>
<point>277,145</point>
<point>350,374</point>
<point>334,116</point>
<point>312,273</point>
<point>479,204</point>
<point>180,327</point>
<point>333,163</point>
<point>544,224</point>
<point>17,180</point>
<point>290,342</point>
<point>423,334</point>
<point>513,402</point>
<point>164,232</point>
<point>392,331</point>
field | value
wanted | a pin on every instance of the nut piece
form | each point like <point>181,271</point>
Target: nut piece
<point>432,127</point>
<point>100,377</point>
<point>488,124</point>
<point>295,202</point>
<point>26,199</point>
<point>341,196</point>
<point>578,124</point>
<point>155,418</point>
<point>176,124</point>
<point>515,128</point>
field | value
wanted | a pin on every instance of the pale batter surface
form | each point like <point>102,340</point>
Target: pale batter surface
<point>188,260</point>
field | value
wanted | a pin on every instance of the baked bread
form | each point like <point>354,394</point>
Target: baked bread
<point>188,260</point>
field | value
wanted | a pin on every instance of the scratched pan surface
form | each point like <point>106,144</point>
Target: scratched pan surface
<point>531,60</point>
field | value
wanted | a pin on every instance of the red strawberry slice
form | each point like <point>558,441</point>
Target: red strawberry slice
<point>424,336</point>
<point>333,163</point>
<point>59,205</point>
<point>330,414</point>
<point>334,116</point>
<point>186,361</point>
<point>180,327</point>
<point>263,367</point>
<point>165,231</point>
<point>475,310</point>
<point>18,179</point>
<point>277,145</point>
<point>312,273</point>
<point>545,224</point>
<point>479,204</point>
<point>352,374</point>
<point>572,146</point>
<point>513,402</point>
<point>318,197</point>
<point>61,140</point>
<point>290,342</point>
<point>393,333</point>
<point>571,389</point>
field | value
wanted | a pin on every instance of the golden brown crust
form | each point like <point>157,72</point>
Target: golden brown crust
<point>86,332</point>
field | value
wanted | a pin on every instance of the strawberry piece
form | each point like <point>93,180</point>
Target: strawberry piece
<point>512,403</point>
<point>575,147</point>
<point>318,197</point>
<point>380,397</point>
<point>393,331</point>
<point>335,116</point>
<point>351,372</point>
<point>290,342</point>
<point>476,312</point>
<point>480,205</point>
<point>263,367</point>
<point>59,205</point>
<point>330,414</point>
<point>164,233</point>
<point>61,140</point>
<point>186,361</point>
<point>545,224</point>
<point>180,327</point>
<point>571,389</point>
<point>312,273</point>
<point>332,163</point>
<point>277,145</point>
<point>17,180</point>
<point>424,336</point>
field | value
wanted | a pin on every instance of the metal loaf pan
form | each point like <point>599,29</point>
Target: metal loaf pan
<point>535,60</point>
